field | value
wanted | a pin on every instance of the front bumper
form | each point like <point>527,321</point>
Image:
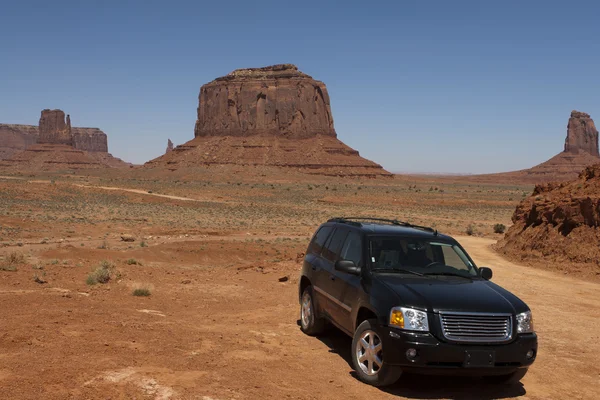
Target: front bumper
<point>439,357</point>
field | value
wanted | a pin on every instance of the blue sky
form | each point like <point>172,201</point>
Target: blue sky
<point>417,86</point>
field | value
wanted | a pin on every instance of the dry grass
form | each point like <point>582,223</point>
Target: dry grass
<point>142,289</point>
<point>102,274</point>
<point>12,261</point>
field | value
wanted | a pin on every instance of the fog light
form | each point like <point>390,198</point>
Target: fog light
<point>411,354</point>
<point>530,354</point>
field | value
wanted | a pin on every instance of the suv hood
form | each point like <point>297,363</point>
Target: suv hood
<point>444,293</point>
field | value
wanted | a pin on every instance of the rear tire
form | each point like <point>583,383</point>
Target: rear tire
<point>310,322</point>
<point>368,357</point>
<point>508,379</point>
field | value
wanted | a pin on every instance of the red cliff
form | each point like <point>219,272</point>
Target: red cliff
<point>278,100</point>
<point>274,116</point>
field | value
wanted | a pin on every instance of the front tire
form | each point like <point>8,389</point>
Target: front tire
<point>310,322</point>
<point>509,379</point>
<point>368,356</point>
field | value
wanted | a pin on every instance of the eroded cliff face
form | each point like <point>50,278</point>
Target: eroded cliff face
<point>559,223</point>
<point>15,138</point>
<point>278,100</point>
<point>90,139</point>
<point>582,134</point>
<point>54,129</point>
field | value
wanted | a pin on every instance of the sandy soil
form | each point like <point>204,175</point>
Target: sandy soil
<point>219,323</point>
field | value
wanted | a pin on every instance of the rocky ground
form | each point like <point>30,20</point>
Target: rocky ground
<point>214,266</point>
<point>559,225</point>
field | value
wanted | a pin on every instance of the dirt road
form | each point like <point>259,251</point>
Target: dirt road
<point>219,325</point>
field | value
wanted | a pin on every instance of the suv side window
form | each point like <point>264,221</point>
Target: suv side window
<point>352,250</point>
<point>332,249</point>
<point>319,240</point>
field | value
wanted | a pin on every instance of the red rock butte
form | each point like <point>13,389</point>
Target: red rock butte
<point>15,138</point>
<point>272,116</point>
<point>580,151</point>
<point>582,134</point>
<point>53,145</point>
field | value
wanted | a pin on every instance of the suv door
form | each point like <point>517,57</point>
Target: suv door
<point>330,255</point>
<point>315,266</point>
<point>346,287</point>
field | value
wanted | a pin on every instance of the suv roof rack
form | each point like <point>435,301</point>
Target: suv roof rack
<point>357,222</point>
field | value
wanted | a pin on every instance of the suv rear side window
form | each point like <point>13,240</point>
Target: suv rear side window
<point>319,240</point>
<point>352,250</point>
<point>332,249</point>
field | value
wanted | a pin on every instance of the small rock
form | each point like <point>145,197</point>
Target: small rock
<point>39,280</point>
<point>127,238</point>
<point>284,278</point>
<point>186,281</point>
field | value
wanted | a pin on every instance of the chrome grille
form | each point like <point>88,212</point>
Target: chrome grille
<point>461,327</point>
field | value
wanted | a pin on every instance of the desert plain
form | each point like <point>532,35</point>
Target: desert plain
<point>213,259</point>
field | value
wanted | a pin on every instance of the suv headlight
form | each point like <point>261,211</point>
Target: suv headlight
<point>525,322</point>
<point>409,319</point>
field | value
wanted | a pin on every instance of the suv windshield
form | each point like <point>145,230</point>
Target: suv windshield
<point>423,256</point>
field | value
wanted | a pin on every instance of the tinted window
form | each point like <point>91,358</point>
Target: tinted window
<point>352,250</point>
<point>418,255</point>
<point>332,249</point>
<point>317,243</point>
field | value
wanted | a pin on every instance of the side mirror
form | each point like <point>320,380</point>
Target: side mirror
<point>485,273</point>
<point>348,267</point>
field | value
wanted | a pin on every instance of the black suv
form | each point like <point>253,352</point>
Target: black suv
<point>412,300</point>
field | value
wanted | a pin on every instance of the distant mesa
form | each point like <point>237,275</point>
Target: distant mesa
<point>273,116</point>
<point>15,138</point>
<point>54,144</point>
<point>580,151</point>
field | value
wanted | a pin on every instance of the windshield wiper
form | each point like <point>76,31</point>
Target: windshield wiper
<point>448,274</point>
<point>408,271</point>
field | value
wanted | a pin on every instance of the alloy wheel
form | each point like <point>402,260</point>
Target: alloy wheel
<point>369,353</point>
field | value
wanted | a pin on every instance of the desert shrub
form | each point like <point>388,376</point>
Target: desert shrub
<point>499,228</point>
<point>15,258</point>
<point>12,261</point>
<point>132,261</point>
<point>101,274</point>
<point>141,292</point>
<point>470,230</point>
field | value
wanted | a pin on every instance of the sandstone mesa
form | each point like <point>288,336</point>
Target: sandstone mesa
<point>273,116</point>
